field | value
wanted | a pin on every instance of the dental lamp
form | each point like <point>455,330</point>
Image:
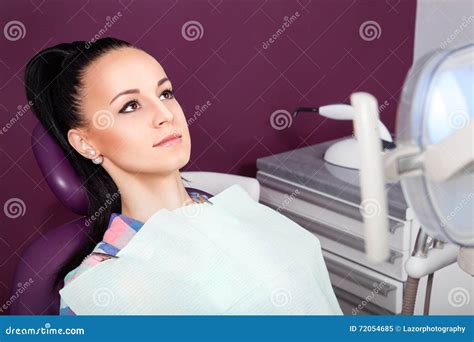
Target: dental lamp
<point>433,160</point>
<point>345,152</point>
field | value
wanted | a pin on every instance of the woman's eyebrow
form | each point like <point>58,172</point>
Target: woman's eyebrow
<point>133,91</point>
<point>129,91</point>
<point>163,80</point>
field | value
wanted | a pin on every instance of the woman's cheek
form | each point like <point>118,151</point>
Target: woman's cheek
<point>116,141</point>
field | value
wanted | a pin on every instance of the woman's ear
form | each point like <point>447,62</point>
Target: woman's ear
<point>79,142</point>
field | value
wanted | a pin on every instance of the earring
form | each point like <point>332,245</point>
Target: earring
<point>98,160</point>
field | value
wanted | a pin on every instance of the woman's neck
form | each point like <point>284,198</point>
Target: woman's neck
<point>143,195</point>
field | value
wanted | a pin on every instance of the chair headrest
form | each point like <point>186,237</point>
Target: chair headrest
<point>58,172</point>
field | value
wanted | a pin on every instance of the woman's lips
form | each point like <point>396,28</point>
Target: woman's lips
<point>170,140</point>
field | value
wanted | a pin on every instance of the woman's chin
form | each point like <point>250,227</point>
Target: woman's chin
<point>169,163</point>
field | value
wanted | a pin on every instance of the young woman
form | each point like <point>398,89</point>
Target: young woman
<point>112,109</point>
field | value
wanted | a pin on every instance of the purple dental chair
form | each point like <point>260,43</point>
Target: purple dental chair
<point>43,257</point>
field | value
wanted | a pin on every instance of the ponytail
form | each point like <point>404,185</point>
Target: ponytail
<point>53,84</point>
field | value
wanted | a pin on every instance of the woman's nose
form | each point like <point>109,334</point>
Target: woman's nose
<point>161,114</point>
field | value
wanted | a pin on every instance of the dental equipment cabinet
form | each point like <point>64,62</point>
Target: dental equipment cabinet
<point>325,199</point>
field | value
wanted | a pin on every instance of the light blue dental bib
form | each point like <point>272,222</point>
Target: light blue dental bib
<point>235,257</point>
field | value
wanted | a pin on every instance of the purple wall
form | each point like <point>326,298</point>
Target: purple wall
<point>322,56</point>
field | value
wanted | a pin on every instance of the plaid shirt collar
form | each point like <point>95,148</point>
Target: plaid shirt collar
<point>122,228</point>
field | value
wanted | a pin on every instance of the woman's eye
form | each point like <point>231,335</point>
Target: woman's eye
<point>130,106</point>
<point>169,94</point>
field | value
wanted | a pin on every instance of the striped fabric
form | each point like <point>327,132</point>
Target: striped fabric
<point>121,230</point>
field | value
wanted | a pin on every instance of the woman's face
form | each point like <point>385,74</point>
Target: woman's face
<point>129,107</point>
